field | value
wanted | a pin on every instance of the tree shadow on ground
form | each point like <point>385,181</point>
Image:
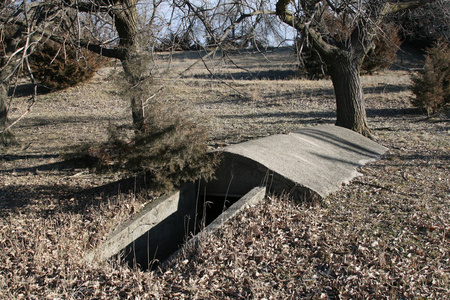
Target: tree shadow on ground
<point>34,169</point>
<point>392,112</point>
<point>39,121</point>
<point>13,157</point>
<point>256,75</point>
<point>384,88</point>
<point>273,53</point>
<point>313,116</point>
<point>269,99</point>
<point>304,118</point>
<point>438,160</point>
<point>272,98</point>
<point>28,89</point>
<point>65,197</point>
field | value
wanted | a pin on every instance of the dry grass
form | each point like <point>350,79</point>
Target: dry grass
<point>385,235</point>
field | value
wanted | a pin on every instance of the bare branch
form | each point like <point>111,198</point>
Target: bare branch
<point>241,18</point>
<point>393,7</point>
<point>97,48</point>
<point>288,18</point>
<point>88,7</point>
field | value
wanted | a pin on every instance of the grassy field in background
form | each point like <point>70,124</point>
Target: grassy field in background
<point>384,235</point>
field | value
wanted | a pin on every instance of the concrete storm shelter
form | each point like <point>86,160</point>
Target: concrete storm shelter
<point>307,164</point>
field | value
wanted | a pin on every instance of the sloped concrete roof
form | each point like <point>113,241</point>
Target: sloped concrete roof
<point>311,161</point>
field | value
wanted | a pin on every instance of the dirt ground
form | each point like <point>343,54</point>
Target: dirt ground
<point>385,235</point>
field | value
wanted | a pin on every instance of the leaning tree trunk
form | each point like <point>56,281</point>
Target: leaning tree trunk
<point>351,111</point>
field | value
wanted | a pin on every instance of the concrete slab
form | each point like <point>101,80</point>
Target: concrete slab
<point>162,227</point>
<point>162,219</point>
<point>308,164</point>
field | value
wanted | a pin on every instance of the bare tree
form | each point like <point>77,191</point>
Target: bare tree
<point>107,27</point>
<point>236,23</point>
<point>425,25</point>
<point>342,33</point>
<point>111,28</point>
<point>18,21</point>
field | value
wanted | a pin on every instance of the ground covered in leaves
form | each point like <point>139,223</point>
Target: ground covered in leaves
<point>384,235</point>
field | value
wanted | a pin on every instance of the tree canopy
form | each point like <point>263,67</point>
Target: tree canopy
<point>341,31</point>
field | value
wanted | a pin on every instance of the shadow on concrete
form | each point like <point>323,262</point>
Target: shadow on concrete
<point>335,160</point>
<point>156,245</point>
<point>147,240</point>
<point>167,235</point>
<point>339,142</point>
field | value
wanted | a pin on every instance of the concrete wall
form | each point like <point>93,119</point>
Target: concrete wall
<point>237,175</point>
<point>162,224</point>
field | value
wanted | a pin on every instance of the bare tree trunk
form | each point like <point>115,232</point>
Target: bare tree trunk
<point>125,17</point>
<point>6,136</point>
<point>132,72</point>
<point>137,113</point>
<point>3,115</point>
<point>6,72</point>
<point>351,110</point>
<point>343,55</point>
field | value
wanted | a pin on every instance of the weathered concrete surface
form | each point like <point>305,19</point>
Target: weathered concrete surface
<point>252,198</point>
<point>309,163</point>
<point>162,227</point>
<point>162,219</point>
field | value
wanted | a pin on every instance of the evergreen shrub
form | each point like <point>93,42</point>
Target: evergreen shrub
<point>171,150</point>
<point>431,86</point>
<point>57,67</point>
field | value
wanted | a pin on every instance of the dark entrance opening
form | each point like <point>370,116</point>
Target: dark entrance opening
<point>155,246</point>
